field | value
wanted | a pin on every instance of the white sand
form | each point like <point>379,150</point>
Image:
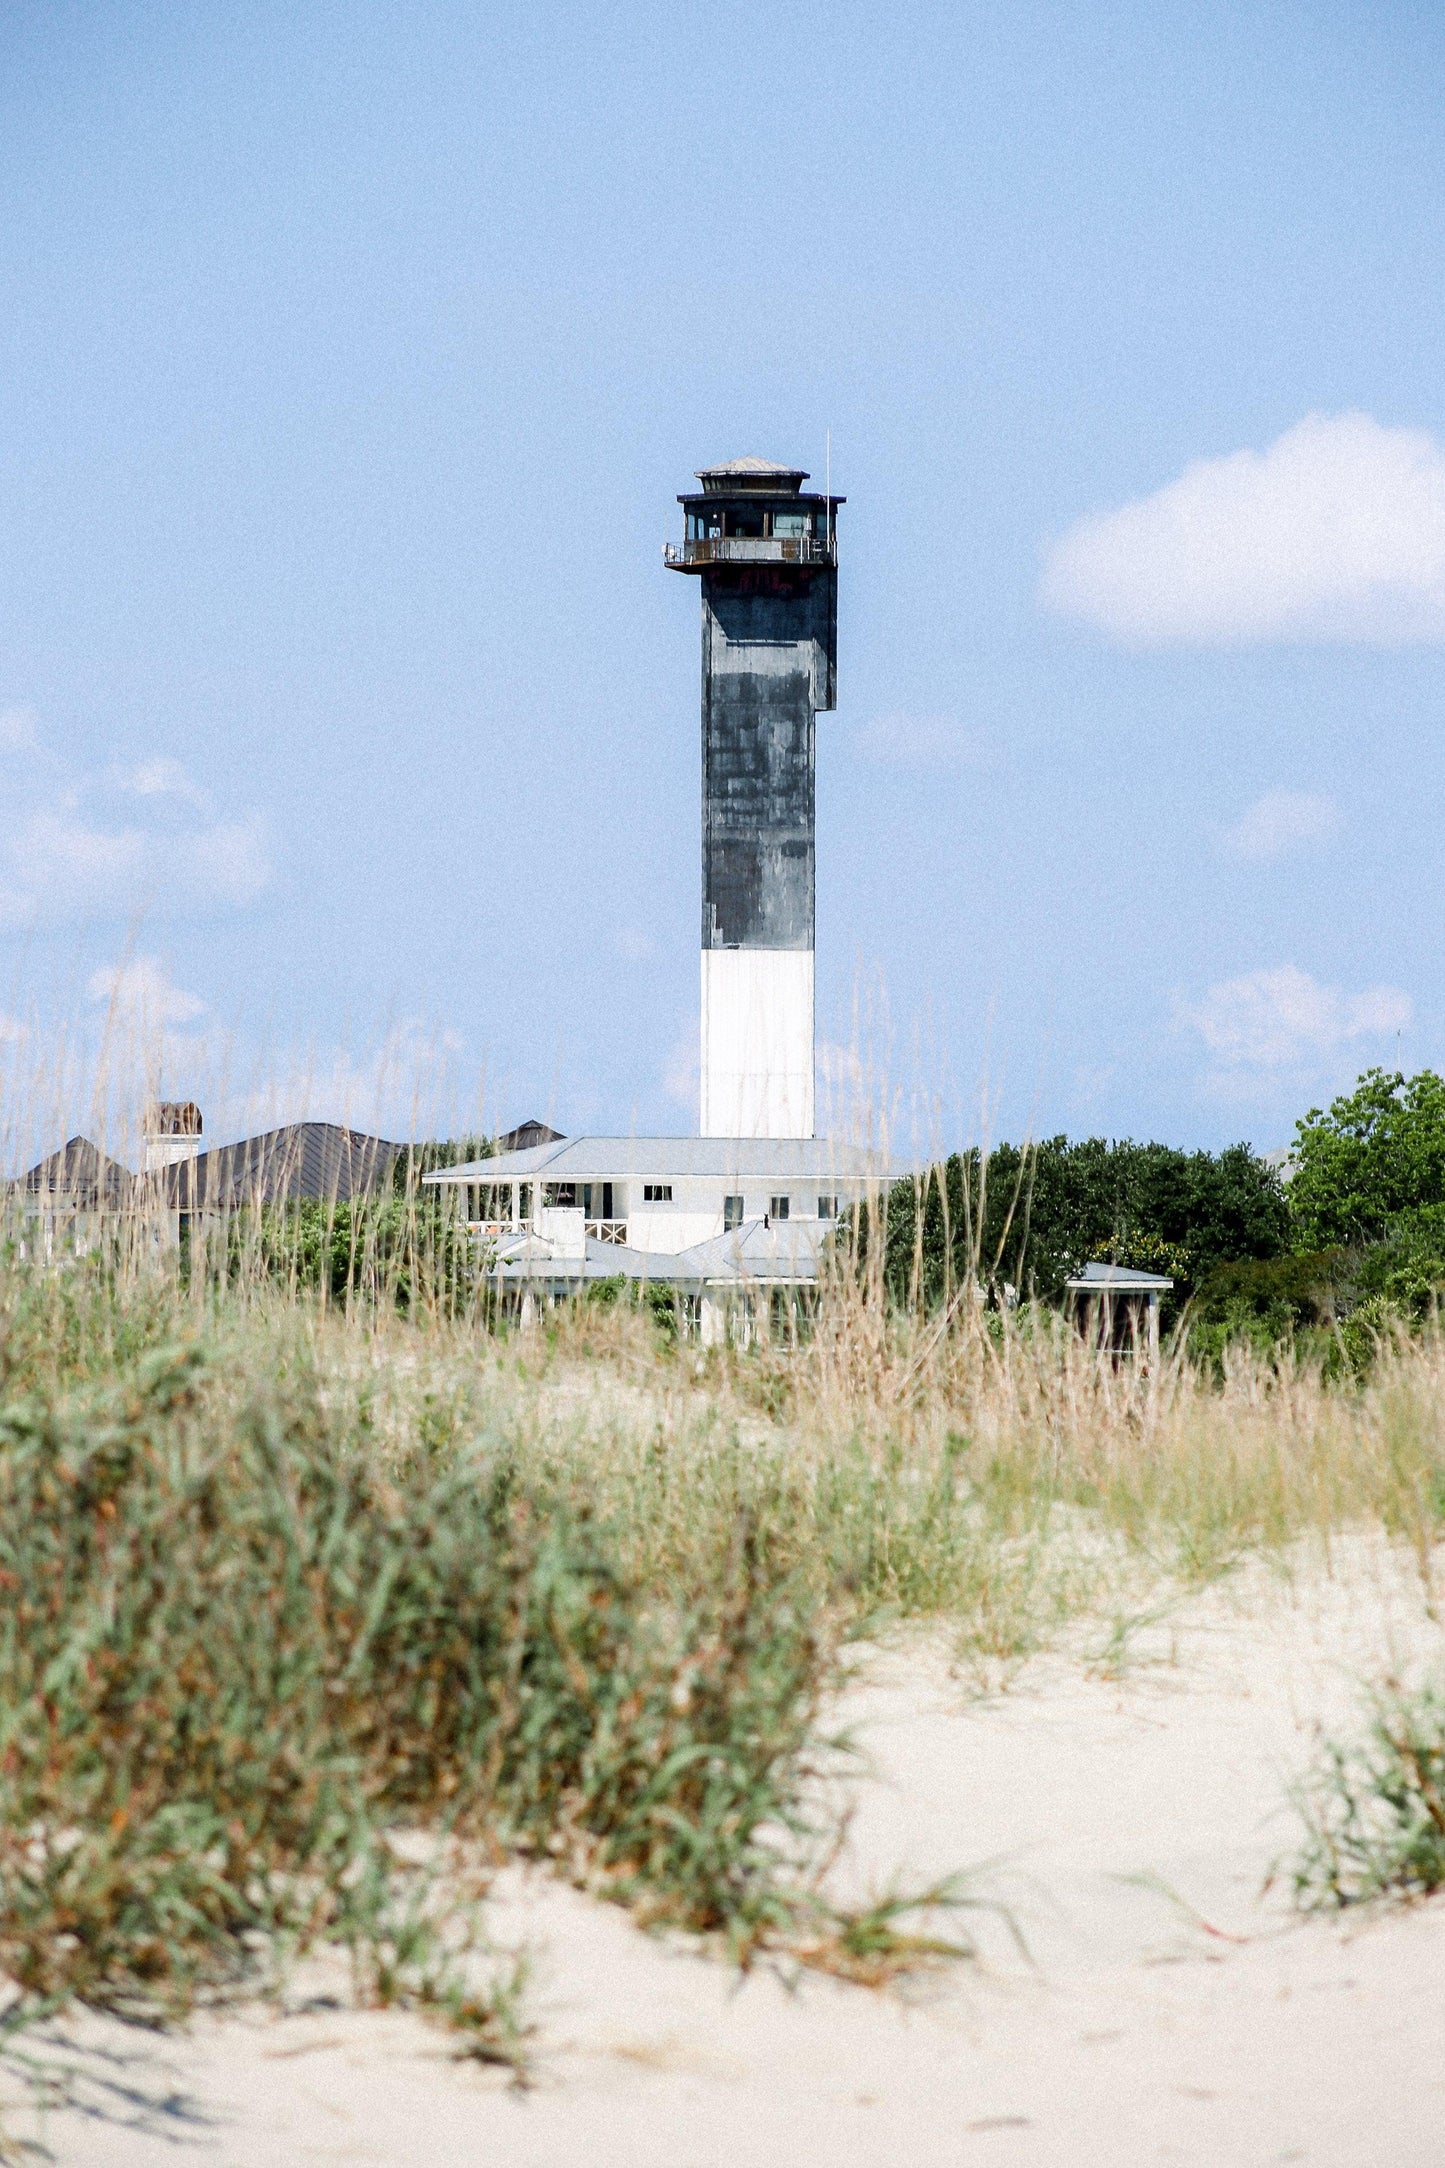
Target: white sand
<point>1135,2036</point>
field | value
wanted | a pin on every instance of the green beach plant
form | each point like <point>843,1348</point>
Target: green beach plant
<point>1374,1808</point>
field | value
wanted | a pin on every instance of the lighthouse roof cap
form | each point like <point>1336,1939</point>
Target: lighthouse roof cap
<point>752,473</point>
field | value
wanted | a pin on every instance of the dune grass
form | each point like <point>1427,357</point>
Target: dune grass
<point>243,1652</point>
<point>1374,1808</point>
<point>311,1615</point>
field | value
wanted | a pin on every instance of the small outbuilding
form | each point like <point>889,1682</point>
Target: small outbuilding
<point>1117,1308</point>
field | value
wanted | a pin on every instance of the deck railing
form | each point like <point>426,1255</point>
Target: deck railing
<point>601,1230</point>
<point>747,549</point>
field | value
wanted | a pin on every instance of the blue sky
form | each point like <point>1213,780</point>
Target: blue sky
<point>351,360</point>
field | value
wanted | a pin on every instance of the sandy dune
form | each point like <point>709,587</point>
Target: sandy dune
<point>1205,2027</point>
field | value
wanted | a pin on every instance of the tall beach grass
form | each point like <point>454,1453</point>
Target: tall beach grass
<point>307,1558</point>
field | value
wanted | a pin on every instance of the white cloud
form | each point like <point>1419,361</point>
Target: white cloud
<point>152,1040</point>
<point>226,863</point>
<point>839,1068</point>
<point>1280,822</point>
<point>84,847</point>
<point>141,992</point>
<point>1336,532</point>
<point>921,741</point>
<point>55,861</point>
<point>400,1087</point>
<point>146,1037</point>
<point>60,863</point>
<point>1267,1022</point>
<point>163,778</point>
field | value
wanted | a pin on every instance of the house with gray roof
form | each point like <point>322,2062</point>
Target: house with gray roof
<point>300,1162</point>
<point>727,1222</point>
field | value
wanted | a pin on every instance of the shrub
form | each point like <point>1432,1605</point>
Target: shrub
<point>1269,1300</point>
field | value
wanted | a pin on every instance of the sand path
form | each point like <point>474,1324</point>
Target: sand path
<point>1134,2036</point>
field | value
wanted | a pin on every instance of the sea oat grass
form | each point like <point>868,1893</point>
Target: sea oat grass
<point>283,1578</point>
<point>237,1650</point>
<point>1374,1809</point>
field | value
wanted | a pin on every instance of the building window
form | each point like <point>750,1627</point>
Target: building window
<point>561,1194</point>
<point>827,1208</point>
<point>732,1213</point>
<point>657,1193</point>
<point>778,1208</point>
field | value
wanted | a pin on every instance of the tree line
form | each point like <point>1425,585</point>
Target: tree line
<point>1351,1225</point>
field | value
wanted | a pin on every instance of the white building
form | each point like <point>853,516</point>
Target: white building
<point>663,1194</point>
<point>713,1217</point>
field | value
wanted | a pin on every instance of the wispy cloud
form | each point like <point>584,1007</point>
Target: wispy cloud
<point>163,778</point>
<point>1281,823</point>
<point>155,1037</point>
<point>89,848</point>
<point>1336,532</point>
<point>141,992</point>
<point>400,1086</point>
<point>1272,1023</point>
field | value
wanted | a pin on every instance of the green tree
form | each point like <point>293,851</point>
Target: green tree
<point>1030,1215</point>
<point>1378,1152</point>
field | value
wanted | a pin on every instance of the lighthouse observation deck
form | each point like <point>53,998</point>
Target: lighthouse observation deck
<point>751,512</point>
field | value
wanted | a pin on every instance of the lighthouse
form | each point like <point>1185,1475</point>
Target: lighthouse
<point>764,552</point>
<point>739,1221</point>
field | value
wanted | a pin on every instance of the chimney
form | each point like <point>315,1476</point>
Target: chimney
<point>171,1129</point>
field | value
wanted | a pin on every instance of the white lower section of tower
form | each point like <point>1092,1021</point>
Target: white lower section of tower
<point>757,1043</point>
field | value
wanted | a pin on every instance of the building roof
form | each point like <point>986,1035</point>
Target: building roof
<point>606,1159</point>
<point>526,1134</point>
<point>752,469</point>
<point>781,1254</point>
<point>758,1250</point>
<point>81,1173</point>
<point>1117,1280</point>
<point>302,1161</point>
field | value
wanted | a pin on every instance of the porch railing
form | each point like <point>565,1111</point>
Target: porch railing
<point>746,549</point>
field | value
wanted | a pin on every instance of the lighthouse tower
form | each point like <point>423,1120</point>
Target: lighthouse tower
<point>765,555</point>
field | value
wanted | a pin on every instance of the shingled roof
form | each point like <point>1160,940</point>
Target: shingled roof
<point>302,1161</point>
<point>81,1175</point>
